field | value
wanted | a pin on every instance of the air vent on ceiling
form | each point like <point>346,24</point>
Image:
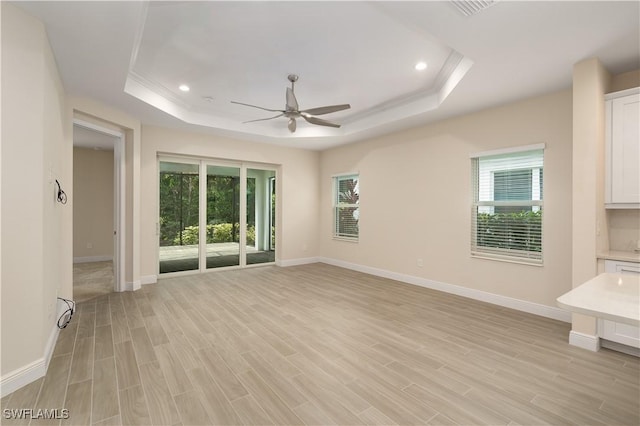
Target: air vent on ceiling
<point>471,7</point>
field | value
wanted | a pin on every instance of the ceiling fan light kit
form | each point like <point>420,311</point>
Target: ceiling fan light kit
<point>292,110</point>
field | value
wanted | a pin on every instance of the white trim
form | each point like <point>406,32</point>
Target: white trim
<point>621,93</point>
<point>31,372</point>
<point>148,279</point>
<point>347,239</point>
<point>509,150</point>
<point>345,174</point>
<point>53,336</point>
<point>496,299</point>
<point>95,127</point>
<point>119,150</point>
<point>87,259</point>
<point>622,205</point>
<point>298,261</point>
<point>584,341</point>
<point>507,258</point>
<point>243,218</point>
<point>132,285</point>
<point>20,377</point>
<point>607,152</point>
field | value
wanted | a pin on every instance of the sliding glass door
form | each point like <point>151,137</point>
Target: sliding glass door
<point>215,215</point>
<point>179,216</point>
<point>260,216</point>
<point>223,216</point>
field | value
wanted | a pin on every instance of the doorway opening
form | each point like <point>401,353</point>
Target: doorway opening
<point>98,210</point>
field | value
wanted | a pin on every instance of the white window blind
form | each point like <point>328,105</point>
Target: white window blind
<point>346,206</point>
<point>506,216</point>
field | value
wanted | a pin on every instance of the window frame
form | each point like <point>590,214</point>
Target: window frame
<point>535,258</point>
<point>337,205</point>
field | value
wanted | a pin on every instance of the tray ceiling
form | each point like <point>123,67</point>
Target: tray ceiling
<point>133,55</point>
<point>243,52</point>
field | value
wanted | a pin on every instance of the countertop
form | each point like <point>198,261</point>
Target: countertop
<point>615,297</point>
<point>625,256</point>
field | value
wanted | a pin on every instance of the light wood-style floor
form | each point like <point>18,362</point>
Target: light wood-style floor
<point>317,344</point>
<point>91,280</point>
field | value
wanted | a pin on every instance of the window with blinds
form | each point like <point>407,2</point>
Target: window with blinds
<point>346,210</point>
<point>506,215</point>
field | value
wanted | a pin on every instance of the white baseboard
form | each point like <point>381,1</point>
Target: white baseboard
<point>148,279</point>
<point>496,299</point>
<point>584,341</point>
<point>87,259</point>
<point>132,285</point>
<point>31,372</point>
<point>296,262</point>
<point>22,376</point>
<point>62,307</point>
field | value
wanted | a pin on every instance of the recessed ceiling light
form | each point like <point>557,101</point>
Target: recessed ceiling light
<point>421,66</point>
<point>183,87</point>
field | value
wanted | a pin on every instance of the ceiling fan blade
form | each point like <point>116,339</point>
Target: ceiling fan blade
<point>263,119</point>
<point>292,102</point>
<point>292,125</point>
<point>255,106</point>
<point>315,120</point>
<point>326,109</point>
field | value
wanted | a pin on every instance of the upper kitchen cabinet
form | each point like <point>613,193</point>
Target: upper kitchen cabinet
<point>622,152</point>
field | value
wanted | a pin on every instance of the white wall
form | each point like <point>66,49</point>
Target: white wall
<point>297,188</point>
<point>415,199</point>
<point>36,230</point>
<point>92,204</point>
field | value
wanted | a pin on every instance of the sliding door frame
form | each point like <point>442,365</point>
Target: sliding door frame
<point>202,163</point>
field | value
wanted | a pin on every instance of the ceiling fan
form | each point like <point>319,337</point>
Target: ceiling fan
<point>292,111</point>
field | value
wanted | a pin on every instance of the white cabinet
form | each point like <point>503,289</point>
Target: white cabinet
<point>613,331</point>
<point>622,150</point>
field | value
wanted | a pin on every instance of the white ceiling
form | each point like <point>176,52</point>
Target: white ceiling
<point>360,53</point>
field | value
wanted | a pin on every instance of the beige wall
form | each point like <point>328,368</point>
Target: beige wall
<point>297,187</point>
<point>624,229</point>
<point>415,195</point>
<point>92,203</point>
<point>625,81</point>
<point>590,233</point>
<point>110,118</point>
<point>36,230</point>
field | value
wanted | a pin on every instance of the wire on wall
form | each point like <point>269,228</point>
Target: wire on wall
<point>61,195</point>
<point>65,318</point>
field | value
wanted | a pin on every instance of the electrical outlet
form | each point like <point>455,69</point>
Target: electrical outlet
<point>89,245</point>
<point>420,263</point>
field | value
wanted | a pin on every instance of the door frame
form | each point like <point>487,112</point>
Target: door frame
<point>272,216</point>
<point>202,163</point>
<point>119,176</point>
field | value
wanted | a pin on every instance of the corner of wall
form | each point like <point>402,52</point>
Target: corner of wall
<point>590,82</point>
